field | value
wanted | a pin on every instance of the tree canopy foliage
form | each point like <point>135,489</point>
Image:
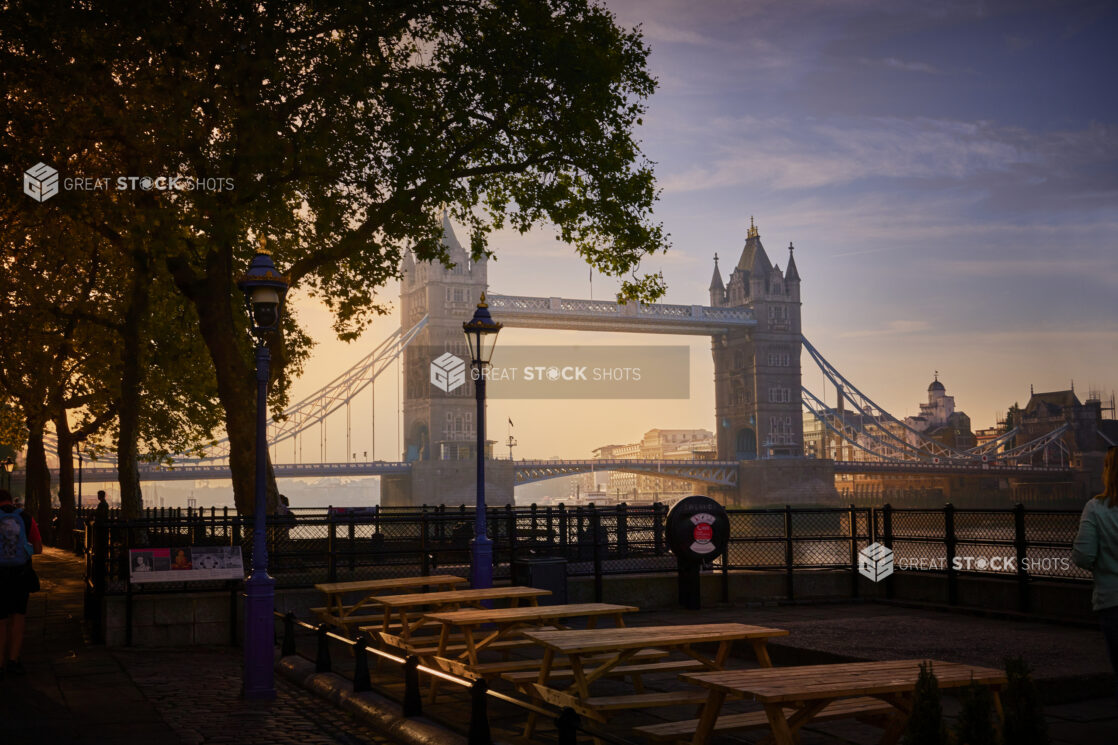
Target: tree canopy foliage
<point>338,131</point>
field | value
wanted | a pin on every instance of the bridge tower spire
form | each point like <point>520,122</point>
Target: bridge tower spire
<point>717,289</point>
<point>439,425</point>
<point>757,371</point>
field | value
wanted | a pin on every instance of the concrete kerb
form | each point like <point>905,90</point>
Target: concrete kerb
<point>373,710</point>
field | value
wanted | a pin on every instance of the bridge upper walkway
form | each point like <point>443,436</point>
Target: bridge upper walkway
<point>608,315</point>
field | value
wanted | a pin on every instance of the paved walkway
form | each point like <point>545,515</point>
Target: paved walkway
<point>81,694</point>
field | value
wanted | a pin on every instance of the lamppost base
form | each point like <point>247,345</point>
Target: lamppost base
<point>260,637</point>
<point>481,562</point>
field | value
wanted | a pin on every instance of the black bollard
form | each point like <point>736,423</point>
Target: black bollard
<point>288,635</point>
<point>322,659</point>
<point>690,594</point>
<point>479,714</point>
<point>413,702</point>
<point>361,680</point>
<point>567,725</point>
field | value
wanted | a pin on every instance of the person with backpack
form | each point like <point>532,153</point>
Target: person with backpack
<point>19,541</point>
<point>1096,550</point>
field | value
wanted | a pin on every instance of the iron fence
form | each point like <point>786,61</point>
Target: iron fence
<point>317,545</point>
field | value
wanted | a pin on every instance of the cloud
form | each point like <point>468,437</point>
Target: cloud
<point>897,327</point>
<point>655,31</point>
<point>1101,269</point>
<point>786,154</point>
<point>894,63</point>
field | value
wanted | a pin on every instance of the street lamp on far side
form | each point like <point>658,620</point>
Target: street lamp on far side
<point>481,335</point>
<point>264,289</point>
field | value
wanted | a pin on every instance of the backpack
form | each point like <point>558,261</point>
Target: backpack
<point>15,550</point>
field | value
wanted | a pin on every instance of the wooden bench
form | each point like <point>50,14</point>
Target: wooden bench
<point>327,616</point>
<point>863,707</point>
<point>522,677</point>
<point>593,707</point>
<point>505,623</point>
<point>498,669</point>
<point>410,609</point>
<point>346,615</point>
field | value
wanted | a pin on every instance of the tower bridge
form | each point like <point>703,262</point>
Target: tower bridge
<point>754,323</point>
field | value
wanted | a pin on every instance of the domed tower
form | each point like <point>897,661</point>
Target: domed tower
<point>757,371</point>
<point>438,424</point>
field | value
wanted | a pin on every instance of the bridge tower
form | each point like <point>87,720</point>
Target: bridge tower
<point>439,427</point>
<point>757,370</point>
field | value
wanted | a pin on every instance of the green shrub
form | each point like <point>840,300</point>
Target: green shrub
<point>975,725</point>
<point>1024,716</point>
<point>925,726</point>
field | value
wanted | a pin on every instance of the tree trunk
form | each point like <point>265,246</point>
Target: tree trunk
<point>64,534</point>
<point>131,385</point>
<point>37,500</point>
<point>236,381</point>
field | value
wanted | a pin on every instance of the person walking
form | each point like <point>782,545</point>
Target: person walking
<point>1096,550</point>
<point>19,540</point>
<point>101,514</point>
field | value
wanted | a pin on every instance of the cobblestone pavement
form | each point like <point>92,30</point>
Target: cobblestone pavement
<point>196,691</point>
<point>76,693</point>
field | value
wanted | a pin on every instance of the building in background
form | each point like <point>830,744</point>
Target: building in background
<point>1088,436</point>
<point>938,420</point>
<point>656,444</point>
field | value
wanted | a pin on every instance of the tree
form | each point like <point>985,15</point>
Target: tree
<point>975,725</point>
<point>342,129</point>
<point>925,724</point>
<point>1024,715</point>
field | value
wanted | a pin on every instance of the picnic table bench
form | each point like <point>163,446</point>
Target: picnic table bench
<point>598,653</point>
<point>338,613</point>
<point>794,696</point>
<point>408,610</point>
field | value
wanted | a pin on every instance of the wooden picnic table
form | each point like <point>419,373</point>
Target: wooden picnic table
<point>598,653</point>
<point>338,613</point>
<point>793,696</point>
<point>511,621</point>
<point>462,657</point>
<point>408,609</point>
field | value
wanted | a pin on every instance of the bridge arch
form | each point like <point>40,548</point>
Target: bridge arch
<point>746,444</point>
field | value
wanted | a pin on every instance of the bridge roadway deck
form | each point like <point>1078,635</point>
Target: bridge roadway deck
<point>723,473</point>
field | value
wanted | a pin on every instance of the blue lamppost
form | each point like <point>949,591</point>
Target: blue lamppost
<point>264,288</point>
<point>481,335</point>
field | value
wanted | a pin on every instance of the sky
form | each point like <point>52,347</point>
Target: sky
<point>948,172</point>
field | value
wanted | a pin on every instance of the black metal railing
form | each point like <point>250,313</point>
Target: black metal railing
<point>327,545</point>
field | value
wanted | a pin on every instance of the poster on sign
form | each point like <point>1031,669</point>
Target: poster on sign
<point>703,533</point>
<point>185,564</point>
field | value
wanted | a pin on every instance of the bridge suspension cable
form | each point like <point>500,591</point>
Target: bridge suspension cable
<point>874,430</point>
